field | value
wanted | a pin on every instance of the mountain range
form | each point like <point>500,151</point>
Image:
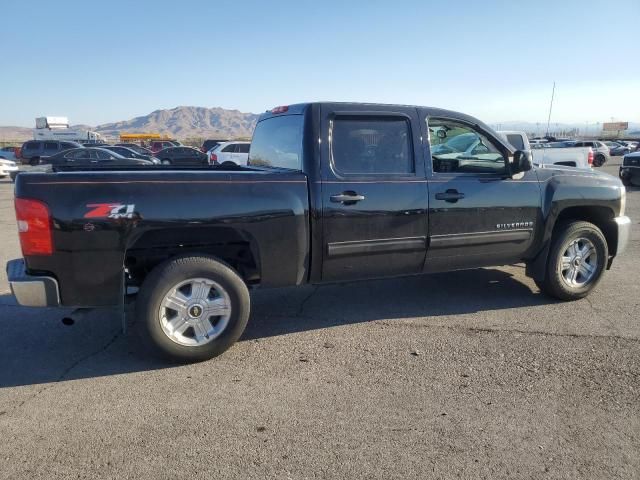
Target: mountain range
<point>194,122</point>
<point>178,122</point>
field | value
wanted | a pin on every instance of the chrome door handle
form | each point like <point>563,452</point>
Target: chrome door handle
<point>347,198</point>
<point>450,196</point>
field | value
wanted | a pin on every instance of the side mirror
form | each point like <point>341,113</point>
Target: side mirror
<point>521,162</point>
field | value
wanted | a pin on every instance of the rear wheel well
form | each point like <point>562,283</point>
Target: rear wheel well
<point>156,247</point>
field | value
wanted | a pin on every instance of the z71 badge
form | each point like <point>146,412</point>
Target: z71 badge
<point>110,210</point>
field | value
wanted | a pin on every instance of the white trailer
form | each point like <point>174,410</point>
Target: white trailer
<point>57,128</point>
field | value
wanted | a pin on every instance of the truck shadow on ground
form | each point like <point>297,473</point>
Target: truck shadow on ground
<point>37,348</point>
<point>282,311</point>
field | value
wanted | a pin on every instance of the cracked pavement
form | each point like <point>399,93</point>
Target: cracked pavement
<point>460,375</point>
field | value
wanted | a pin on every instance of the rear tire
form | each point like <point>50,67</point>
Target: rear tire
<point>192,308</point>
<point>599,160</point>
<point>576,262</point>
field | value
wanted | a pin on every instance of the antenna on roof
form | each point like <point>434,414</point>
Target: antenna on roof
<point>551,106</point>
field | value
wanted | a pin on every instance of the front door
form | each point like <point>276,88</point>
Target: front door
<point>478,214</point>
<point>374,195</point>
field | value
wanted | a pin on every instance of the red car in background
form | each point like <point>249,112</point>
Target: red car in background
<point>10,153</point>
<point>158,145</point>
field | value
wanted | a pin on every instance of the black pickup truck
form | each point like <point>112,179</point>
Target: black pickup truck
<point>332,192</point>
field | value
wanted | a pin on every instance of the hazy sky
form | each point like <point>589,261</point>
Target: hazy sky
<point>98,62</point>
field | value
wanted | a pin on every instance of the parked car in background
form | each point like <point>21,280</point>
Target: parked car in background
<point>92,156</point>
<point>136,148</point>
<point>618,149</point>
<point>579,157</point>
<point>561,144</point>
<point>34,150</point>
<point>236,152</point>
<point>182,156</point>
<point>8,153</point>
<point>600,151</point>
<point>130,153</point>
<point>211,143</point>
<point>158,145</point>
<point>630,169</point>
<point>8,167</point>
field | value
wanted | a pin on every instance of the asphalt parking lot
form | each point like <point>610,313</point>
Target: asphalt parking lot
<point>461,375</point>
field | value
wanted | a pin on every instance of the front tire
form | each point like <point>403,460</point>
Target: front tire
<point>192,308</point>
<point>577,260</point>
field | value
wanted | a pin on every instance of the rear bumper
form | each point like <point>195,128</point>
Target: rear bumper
<point>623,225</point>
<point>32,290</point>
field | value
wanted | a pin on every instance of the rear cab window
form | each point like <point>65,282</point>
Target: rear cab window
<point>277,142</point>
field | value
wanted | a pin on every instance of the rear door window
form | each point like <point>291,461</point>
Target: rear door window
<point>243,148</point>
<point>371,145</point>
<point>51,146</point>
<point>229,148</point>
<point>277,142</point>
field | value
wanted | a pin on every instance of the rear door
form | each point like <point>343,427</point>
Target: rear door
<point>227,153</point>
<point>242,153</point>
<point>374,192</point>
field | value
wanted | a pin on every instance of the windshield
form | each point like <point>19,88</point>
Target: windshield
<point>277,143</point>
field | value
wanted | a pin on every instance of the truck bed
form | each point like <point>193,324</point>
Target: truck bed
<point>103,219</point>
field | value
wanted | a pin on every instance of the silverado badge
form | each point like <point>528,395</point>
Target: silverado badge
<point>513,226</point>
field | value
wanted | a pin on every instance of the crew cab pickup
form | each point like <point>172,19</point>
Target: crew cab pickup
<point>332,192</point>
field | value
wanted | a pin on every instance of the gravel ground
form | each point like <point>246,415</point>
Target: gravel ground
<point>461,375</point>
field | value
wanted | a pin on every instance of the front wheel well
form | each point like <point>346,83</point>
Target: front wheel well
<point>601,217</point>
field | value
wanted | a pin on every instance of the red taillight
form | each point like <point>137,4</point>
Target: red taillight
<point>34,227</point>
<point>280,109</point>
<point>590,157</point>
<point>213,158</point>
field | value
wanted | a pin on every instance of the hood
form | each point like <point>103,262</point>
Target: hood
<point>581,174</point>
